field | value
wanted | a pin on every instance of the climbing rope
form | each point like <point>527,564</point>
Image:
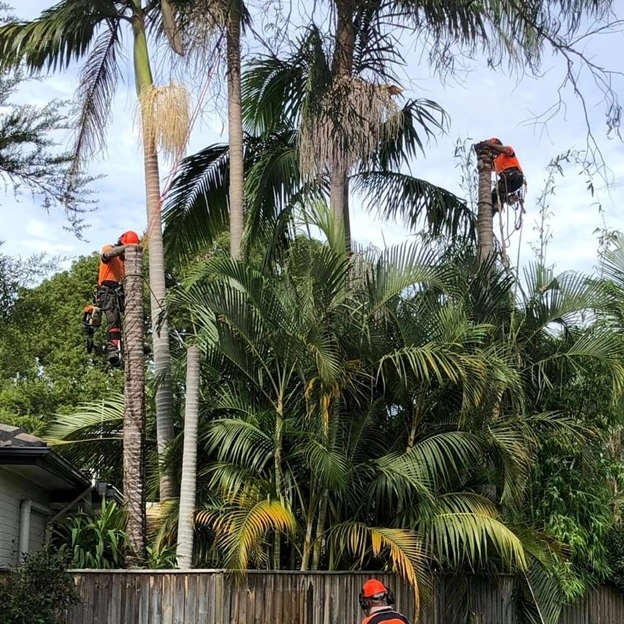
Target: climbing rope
<point>513,200</point>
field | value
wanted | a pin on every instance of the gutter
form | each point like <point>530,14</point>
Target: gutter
<point>44,455</point>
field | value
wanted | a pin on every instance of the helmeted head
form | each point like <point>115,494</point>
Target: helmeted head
<point>129,238</point>
<point>375,594</point>
<point>495,140</point>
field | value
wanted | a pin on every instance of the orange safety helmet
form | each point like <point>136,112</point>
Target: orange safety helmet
<point>374,589</point>
<point>129,238</point>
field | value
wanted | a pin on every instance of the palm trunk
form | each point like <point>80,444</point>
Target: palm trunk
<point>162,357</point>
<point>342,65</point>
<point>320,530</point>
<point>184,552</point>
<point>339,201</point>
<point>485,221</point>
<point>134,410</point>
<point>235,129</point>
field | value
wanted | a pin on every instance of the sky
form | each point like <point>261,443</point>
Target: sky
<point>481,103</point>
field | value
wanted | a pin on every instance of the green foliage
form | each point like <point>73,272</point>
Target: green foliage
<point>95,540</point>
<point>39,591</point>
<point>161,556</point>
<point>44,367</point>
<point>614,545</point>
<point>30,159</point>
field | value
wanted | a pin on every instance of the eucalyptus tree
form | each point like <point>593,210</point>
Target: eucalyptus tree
<point>91,32</point>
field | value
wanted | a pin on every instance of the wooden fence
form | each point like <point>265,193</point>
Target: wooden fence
<point>215,597</point>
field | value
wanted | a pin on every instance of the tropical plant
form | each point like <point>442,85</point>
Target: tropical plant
<point>275,97</point>
<point>92,32</point>
<point>319,433</point>
<point>96,540</point>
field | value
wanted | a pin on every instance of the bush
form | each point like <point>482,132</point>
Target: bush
<point>40,591</point>
<point>614,543</point>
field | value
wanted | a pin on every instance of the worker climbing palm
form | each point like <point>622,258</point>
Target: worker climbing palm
<point>109,297</point>
<point>509,171</point>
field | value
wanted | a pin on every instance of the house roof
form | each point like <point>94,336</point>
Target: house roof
<point>14,437</point>
<point>31,457</point>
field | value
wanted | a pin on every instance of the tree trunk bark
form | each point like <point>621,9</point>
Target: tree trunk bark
<point>235,129</point>
<point>134,410</point>
<point>162,356</point>
<point>184,551</point>
<point>485,220</point>
<point>342,66</point>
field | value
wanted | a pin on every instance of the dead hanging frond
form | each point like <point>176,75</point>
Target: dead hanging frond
<point>347,125</point>
<point>164,115</point>
<point>201,21</point>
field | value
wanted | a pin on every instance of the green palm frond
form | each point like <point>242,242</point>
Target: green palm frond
<point>404,548</point>
<point>98,81</point>
<point>433,463</point>
<point>465,529</point>
<point>400,196</point>
<point>61,35</point>
<point>240,442</point>
<point>88,419</point>
<point>91,436</point>
<point>243,524</point>
<point>196,209</point>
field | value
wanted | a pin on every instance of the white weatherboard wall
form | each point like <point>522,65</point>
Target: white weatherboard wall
<point>14,489</point>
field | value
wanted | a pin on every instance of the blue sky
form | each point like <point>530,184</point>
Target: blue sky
<point>483,103</point>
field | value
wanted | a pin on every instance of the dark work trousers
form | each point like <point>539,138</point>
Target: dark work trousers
<point>509,181</point>
<point>110,299</point>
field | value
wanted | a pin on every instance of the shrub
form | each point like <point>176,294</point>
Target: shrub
<point>40,591</point>
<point>614,543</point>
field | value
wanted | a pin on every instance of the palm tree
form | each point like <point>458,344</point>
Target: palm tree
<point>318,368</point>
<point>134,410</point>
<point>92,31</point>
<point>235,127</point>
<point>184,552</point>
<point>274,100</point>
<point>485,226</point>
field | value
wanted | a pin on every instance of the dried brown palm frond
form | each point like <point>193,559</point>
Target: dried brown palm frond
<point>201,20</point>
<point>164,115</point>
<point>347,124</point>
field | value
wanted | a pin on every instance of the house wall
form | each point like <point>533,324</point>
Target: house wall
<point>13,489</point>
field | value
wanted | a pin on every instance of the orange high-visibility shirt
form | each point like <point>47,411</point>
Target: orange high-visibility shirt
<point>385,615</point>
<point>112,270</point>
<point>506,161</point>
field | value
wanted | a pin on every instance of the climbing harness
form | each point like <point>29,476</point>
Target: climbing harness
<point>513,200</point>
<point>108,302</point>
<point>91,320</point>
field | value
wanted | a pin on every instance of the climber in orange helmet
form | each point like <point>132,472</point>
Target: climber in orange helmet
<point>507,167</point>
<point>377,602</point>
<point>109,297</point>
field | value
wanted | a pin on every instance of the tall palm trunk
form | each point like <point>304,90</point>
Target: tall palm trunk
<point>485,221</point>
<point>184,551</point>
<point>235,128</point>
<point>134,409</point>
<point>342,66</point>
<point>162,357</point>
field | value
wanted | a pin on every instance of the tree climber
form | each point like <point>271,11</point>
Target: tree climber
<point>109,297</point>
<point>376,601</point>
<point>510,176</point>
